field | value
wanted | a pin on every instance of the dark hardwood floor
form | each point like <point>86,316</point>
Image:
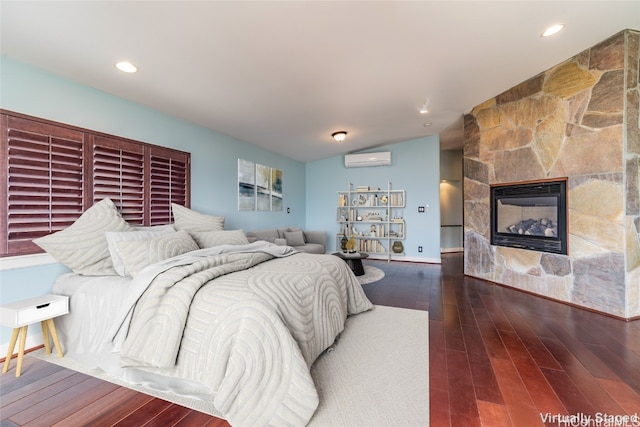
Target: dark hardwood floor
<point>498,357</point>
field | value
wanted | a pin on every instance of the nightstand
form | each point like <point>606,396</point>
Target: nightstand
<point>19,315</point>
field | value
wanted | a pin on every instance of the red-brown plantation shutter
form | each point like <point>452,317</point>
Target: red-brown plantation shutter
<point>118,173</point>
<point>169,180</point>
<point>43,186</point>
<point>50,173</point>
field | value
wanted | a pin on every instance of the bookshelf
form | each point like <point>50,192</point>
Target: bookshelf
<point>374,218</point>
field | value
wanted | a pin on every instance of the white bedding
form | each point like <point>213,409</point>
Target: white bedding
<point>84,332</point>
<point>91,297</point>
<point>97,304</point>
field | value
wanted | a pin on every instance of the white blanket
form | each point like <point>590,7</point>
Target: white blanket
<point>244,324</point>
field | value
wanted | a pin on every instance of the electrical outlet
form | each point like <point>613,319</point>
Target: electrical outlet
<point>419,248</point>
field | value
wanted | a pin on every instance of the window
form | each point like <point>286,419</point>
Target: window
<point>169,179</point>
<point>52,172</point>
<point>118,173</point>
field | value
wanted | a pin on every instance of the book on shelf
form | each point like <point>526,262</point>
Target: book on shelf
<point>396,199</point>
<point>371,246</point>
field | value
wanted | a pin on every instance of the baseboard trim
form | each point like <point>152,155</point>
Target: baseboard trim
<point>548,298</point>
<point>400,258</point>
<point>417,259</point>
<point>33,342</point>
<point>451,250</point>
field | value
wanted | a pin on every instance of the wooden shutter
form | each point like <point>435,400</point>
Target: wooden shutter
<point>169,183</point>
<point>51,172</point>
<point>118,173</point>
<point>43,185</point>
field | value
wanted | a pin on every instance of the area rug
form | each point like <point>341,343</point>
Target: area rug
<point>375,374</point>
<point>371,274</point>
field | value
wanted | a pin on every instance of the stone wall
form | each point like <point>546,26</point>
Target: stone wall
<point>578,120</point>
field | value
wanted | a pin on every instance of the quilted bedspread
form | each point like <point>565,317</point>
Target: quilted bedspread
<point>248,323</point>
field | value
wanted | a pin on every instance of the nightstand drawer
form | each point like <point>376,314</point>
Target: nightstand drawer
<point>34,310</point>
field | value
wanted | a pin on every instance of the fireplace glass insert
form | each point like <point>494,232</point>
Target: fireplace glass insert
<point>530,216</point>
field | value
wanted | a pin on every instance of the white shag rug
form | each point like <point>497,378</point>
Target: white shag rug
<point>376,374</point>
<point>371,274</point>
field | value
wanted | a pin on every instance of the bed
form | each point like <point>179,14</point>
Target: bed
<point>196,310</point>
<point>244,339</point>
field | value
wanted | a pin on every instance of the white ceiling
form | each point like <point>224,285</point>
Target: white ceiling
<point>284,75</point>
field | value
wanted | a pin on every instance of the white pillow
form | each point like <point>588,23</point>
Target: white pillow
<point>210,239</point>
<point>137,233</point>
<point>82,246</point>
<point>194,222</point>
<point>137,254</point>
<point>165,227</point>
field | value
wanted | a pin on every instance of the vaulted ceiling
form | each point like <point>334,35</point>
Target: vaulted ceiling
<point>284,75</point>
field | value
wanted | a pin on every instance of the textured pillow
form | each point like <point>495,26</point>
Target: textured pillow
<point>282,231</point>
<point>137,254</point>
<point>137,233</point>
<point>194,222</point>
<point>165,227</point>
<point>294,238</point>
<point>82,246</point>
<point>266,235</point>
<point>210,239</point>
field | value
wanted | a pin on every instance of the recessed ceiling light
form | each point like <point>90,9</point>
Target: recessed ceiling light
<point>427,125</point>
<point>425,107</point>
<point>554,29</point>
<point>126,67</point>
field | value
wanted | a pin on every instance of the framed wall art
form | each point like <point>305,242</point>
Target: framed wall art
<point>259,187</point>
<point>276,189</point>
<point>246,185</point>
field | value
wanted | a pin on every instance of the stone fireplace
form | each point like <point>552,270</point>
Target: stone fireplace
<point>577,122</point>
<point>530,215</point>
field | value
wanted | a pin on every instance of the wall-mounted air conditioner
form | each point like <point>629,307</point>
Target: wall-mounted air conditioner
<point>367,159</point>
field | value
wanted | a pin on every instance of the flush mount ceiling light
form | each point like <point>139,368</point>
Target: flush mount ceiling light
<point>554,29</point>
<point>126,67</point>
<point>339,136</point>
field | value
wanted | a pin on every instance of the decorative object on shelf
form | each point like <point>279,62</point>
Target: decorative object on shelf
<point>343,243</point>
<point>397,247</point>
<point>351,245</point>
<point>361,200</point>
<point>373,215</point>
<point>384,200</point>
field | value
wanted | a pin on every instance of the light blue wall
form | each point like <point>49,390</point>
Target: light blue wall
<point>31,91</point>
<point>309,190</point>
<point>415,168</point>
<point>28,90</point>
